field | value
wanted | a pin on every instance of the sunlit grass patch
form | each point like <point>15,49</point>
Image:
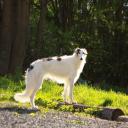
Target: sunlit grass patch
<point>50,94</point>
<point>96,97</point>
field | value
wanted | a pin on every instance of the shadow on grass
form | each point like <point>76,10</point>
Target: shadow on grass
<point>107,87</point>
<point>107,102</point>
<point>18,110</point>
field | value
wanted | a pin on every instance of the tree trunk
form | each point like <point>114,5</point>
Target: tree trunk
<point>19,44</point>
<point>41,27</point>
<point>6,38</point>
<point>13,23</point>
<point>66,14</point>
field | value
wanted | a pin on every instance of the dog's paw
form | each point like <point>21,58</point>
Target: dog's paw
<point>35,108</point>
<point>74,102</point>
<point>67,103</point>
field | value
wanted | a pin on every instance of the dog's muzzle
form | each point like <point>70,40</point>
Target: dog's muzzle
<point>81,58</point>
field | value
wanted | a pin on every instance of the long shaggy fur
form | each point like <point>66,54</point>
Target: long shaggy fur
<point>65,70</point>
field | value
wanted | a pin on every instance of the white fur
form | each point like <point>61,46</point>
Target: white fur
<point>65,71</point>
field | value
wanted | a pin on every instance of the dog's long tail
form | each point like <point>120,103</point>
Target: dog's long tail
<point>22,97</point>
<point>25,95</point>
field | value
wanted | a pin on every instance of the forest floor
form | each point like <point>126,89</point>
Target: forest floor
<point>12,116</point>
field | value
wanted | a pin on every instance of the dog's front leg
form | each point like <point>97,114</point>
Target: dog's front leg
<point>71,86</point>
<point>64,94</point>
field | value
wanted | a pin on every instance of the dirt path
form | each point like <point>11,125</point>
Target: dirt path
<point>23,118</point>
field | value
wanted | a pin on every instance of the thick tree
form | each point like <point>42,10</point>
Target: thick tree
<point>14,17</point>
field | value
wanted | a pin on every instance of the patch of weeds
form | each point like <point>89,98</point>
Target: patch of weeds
<point>11,85</point>
<point>11,98</point>
<point>52,104</point>
<point>107,102</point>
<point>57,99</point>
<point>77,122</point>
<point>33,114</point>
<point>66,108</point>
<point>96,113</point>
<point>43,111</point>
<point>5,95</point>
<point>17,76</point>
<point>16,114</point>
<point>93,111</point>
<point>41,102</point>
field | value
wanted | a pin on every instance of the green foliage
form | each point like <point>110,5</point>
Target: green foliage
<point>99,26</point>
<point>103,31</point>
<point>8,87</point>
<point>57,42</point>
<point>8,83</point>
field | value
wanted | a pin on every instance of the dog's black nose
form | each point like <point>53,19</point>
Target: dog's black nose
<point>81,58</point>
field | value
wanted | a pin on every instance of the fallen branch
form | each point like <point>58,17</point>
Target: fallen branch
<point>106,113</point>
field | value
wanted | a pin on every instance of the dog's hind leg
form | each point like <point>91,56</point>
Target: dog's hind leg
<point>32,97</point>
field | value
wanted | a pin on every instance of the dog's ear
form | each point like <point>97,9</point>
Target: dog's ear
<point>85,50</point>
<point>77,51</point>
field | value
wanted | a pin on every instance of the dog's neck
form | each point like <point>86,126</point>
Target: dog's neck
<point>78,59</point>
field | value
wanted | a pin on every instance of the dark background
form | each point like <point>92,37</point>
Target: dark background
<point>31,29</point>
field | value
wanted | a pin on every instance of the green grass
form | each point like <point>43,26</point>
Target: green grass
<point>50,95</point>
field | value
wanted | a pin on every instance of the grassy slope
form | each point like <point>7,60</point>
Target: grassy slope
<point>51,93</point>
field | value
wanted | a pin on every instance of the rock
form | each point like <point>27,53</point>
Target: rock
<point>123,118</point>
<point>111,113</point>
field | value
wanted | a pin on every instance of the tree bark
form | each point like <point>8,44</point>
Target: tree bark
<point>19,45</point>
<point>6,35</point>
<point>14,20</point>
<point>41,27</point>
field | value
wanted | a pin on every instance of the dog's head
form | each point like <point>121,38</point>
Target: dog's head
<point>81,53</point>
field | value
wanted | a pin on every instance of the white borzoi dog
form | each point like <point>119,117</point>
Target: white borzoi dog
<point>65,70</point>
